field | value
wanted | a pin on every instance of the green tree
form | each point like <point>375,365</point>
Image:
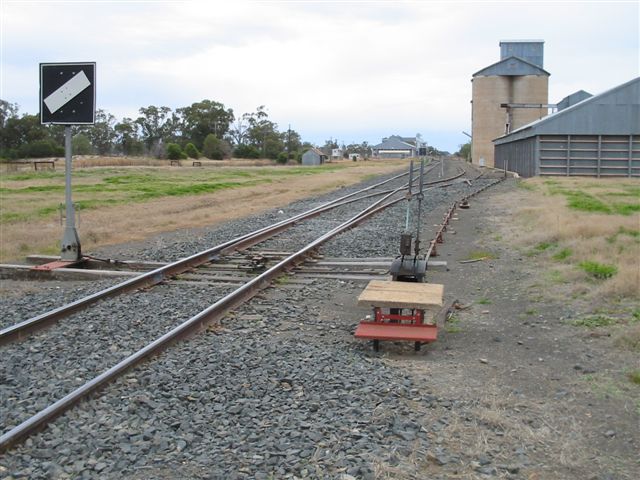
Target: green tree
<point>192,151</point>
<point>40,149</point>
<point>18,132</point>
<point>101,134</point>
<point>292,143</point>
<point>174,152</point>
<point>213,147</point>
<point>156,124</point>
<point>7,111</point>
<point>127,141</point>
<point>81,145</point>
<point>202,118</point>
<point>263,134</point>
<point>465,151</point>
<point>246,151</point>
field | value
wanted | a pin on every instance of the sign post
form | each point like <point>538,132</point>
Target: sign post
<point>68,97</point>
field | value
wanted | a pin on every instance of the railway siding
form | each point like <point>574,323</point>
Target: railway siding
<point>282,389</point>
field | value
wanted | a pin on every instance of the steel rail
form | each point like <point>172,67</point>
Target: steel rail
<point>153,277</point>
<point>209,315</point>
<point>431,251</point>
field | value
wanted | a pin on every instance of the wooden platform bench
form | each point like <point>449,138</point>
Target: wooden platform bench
<point>51,163</point>
<point>174,163</point>
<point>399,312</point>
<point>197,163</point>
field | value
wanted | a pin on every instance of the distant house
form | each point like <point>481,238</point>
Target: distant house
<point>354,156</point>
<point>395,146</point>
<point>313,157</point>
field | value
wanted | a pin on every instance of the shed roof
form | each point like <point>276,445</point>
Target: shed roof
<point>511,66</point>
<point>394,142</point>
<point>613,112</point>
<point>317,152</point>
<point>572,99</point>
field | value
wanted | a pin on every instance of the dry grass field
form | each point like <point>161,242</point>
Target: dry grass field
<point>122,200</point>
<point>586,234</point>
<point>589,229</point>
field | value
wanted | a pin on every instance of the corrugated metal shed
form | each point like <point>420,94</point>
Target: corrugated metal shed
<point>572,99</point>
<point>614,112</point>
<point>313,156</point>
<point>511,66</point>
<point>599,136</point>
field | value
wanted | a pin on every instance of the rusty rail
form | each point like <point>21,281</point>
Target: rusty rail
<point>439,236</point>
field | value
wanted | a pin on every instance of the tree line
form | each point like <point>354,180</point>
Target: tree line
<point>206,128</point>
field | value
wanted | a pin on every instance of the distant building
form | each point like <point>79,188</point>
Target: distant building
<point>354,156</point>
<point>598,136</point>
<point>395,147</point>
<point>313,157</point>
<point>507,95</point>
<point>336,153</point>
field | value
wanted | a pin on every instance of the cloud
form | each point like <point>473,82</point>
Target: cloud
<point>352,68</point>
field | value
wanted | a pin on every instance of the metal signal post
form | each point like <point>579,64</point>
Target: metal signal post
<point>68,97</point>
<point>71,249</point>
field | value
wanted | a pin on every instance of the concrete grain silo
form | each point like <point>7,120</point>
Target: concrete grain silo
<point>506,95</point>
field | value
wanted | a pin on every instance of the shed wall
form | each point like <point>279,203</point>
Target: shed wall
<point>572,155</point>
<point>518,157</point>
<point>311,158</point>
<point>590,155</point>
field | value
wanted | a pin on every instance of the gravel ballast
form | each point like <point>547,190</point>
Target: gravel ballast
<point>281,390</point>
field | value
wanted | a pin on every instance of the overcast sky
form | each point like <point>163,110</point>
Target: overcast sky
<point>354,71</point>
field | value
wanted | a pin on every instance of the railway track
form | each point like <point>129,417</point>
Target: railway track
<point>228,298</point>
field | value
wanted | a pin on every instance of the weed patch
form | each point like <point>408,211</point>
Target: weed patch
<point>555,277</point>
<point>585,202</point>
<point>634,376</point>
<point>594,321</point>
<point>601,271</point>
<point>453,325</point>
<point>541,247</point>
<point>481,255</point>
<point>484,301</point>
<point>625,208</point>
<point>562,254</point>
<point>526,186</point>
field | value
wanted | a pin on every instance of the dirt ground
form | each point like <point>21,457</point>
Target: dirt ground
<point>526,393</point>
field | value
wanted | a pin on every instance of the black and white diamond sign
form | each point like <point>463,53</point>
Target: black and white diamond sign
<point>68,93</point>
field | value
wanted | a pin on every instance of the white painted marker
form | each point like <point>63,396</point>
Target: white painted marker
<point>67,91</point>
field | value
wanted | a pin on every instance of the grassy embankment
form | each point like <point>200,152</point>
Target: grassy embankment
<point>123,204</point>
<point>585,233</point>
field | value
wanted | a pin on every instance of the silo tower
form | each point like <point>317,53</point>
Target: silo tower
<point>507,95</point>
